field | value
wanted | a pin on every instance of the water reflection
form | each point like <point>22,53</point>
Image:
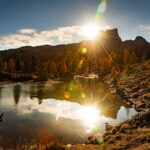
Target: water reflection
<point>17,92</point>
<point>83,91</point>
<point>1,92</point>
<point>37,91</point>
<point>85,110</point>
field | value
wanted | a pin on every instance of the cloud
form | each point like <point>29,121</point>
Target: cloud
<point>145,28</point>
<point>27,31</point>
<point>74,111</point>
<point>32,37</point>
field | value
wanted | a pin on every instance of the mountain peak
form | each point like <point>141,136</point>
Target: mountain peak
<point>112,33</point>
<point>140,40</point>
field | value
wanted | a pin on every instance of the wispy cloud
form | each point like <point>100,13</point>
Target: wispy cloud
<point>33,37</point>
<point>145,28</point>
<point>27,31</point>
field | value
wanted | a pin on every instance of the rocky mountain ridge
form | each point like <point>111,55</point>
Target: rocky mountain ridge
<point>109,40</point>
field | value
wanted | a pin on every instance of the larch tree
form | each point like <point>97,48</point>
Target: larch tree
<point>18,65</point>
<point>63,66</point>
<point>53,67</point>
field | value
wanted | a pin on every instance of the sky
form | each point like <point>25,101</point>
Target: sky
<point>40,22</point>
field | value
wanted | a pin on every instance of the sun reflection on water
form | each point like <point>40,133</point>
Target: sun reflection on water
<point>89,115</point>
<point>67,118</point>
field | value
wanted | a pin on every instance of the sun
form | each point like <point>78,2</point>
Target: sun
<point>91,30</point>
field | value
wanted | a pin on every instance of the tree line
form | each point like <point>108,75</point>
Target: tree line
<point>82,63</point>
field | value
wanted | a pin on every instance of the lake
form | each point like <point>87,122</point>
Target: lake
<point>72,110</point>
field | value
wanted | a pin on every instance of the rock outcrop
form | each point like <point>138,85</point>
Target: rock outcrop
<point>129,134</point>
<point>133,85</point>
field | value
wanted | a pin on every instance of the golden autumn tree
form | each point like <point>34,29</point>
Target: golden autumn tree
<point>63,66</point>
<point>53,67</point>
<point>11,66</point>
<point>126,57</point>
<point>114,71</point>
<point>133,58</point>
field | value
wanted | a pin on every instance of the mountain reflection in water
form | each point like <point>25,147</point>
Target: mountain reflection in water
<point>71,110</point>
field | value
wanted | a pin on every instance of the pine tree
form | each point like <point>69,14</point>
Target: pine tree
<point>63,67</point>
<point>114,71</point>
<point>5,67</point>
<point>143,57</point>
<point>134,58</point>
<point>126,57</point>
<point>11,66</point>
<point>18,65</point>
<point>53,67</point>
<point>34,64</point>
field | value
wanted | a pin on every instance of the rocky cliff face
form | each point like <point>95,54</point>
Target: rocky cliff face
<point>133,85</point>
<point>112,34</point>
<point>110,41</point>
<point>140,46</point>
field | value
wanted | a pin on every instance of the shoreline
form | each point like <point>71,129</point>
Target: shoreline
<point>133,133</point>
<point>133,88</point>
<point>3,83</point>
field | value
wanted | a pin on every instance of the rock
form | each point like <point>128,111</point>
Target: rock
<point>68,146</point>
<point>135,89</point>
<point>113,91</point>
<point>128,90</point>
<point>118,137</point>
<point>132,99</point>
<point>108,127</point>
<point>112,33</point>
<point>148,106</point>
<point>140,40</point>
<point>129,103</point>
<point>141,91</point>
<point>147,96</point>
<point>92,139</point>
<point>111,85</point>
<point>134,95</point>
<point>142,105</point>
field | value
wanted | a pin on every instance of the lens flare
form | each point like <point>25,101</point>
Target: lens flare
<point>83,95</point>
<point>81,63</point>
<point>84,50</point>
<point>67,95</point>
<point>101,8</point>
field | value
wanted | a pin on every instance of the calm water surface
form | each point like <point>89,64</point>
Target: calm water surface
<point>72,110</point>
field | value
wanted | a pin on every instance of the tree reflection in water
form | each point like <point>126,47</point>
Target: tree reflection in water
<point>17,92</point>
<point>84,91</point>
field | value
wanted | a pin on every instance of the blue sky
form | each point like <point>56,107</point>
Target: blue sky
<point>49,17</point>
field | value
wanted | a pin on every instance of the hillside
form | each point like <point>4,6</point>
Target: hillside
<point>97,56</point>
